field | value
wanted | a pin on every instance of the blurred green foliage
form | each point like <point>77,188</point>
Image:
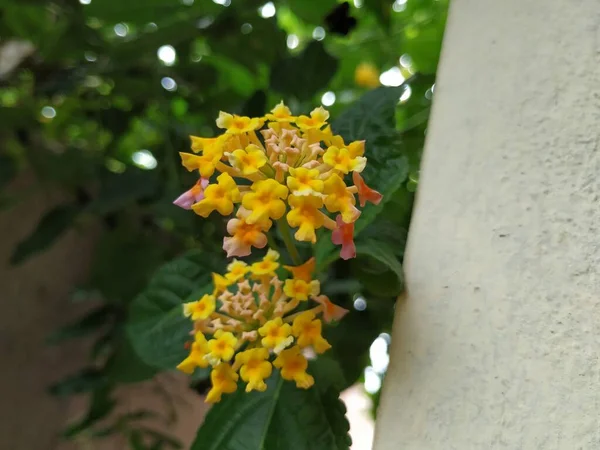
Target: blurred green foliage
<point>108,92</point>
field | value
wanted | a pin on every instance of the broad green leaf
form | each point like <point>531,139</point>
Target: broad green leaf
<point>52,225</point>
<point>123,262</point>
<point>120,190</point>
<point>263,45</point>
<point>156,327</point>
<point>303,75</point>
<point>71,168</point>
<point>352,337</point>
<point>378,268</point>
<point>372,118</point>
<point>125,366</point>
<point>282,417</point>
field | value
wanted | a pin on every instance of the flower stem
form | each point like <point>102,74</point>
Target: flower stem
<point>286,234</point>
<point>271,242</point>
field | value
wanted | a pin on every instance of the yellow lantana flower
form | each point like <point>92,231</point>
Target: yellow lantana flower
<point>307,330</point>
<point>222,346</point>
<point>338,198</point>
<point>300,289</point>
<point>280,113</point>
<point>245,235</point>
<point>276,334</point>
<point>196,357</point>
<point>248,161</point>
<point>238,124</point>
<point>318,118</point>
<point>265,201</point>
<point>224,381</point>
<point>200,144</point>
<point>267,266</point>
<point>258,320</point>
<point>236,270</point>
<point>254,368</point>
<point>291,157</point>
<point>303,181</point>
<point>293,365</point>
<point>341,159</point>
<point>205,163</point>
<point>200,309</point>
<point>220,197</point>
<point>306,216</point>
<point>220,282</point>
<point>366,75</point>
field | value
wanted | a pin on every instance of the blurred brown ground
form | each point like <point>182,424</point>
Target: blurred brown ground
<point>35,301</point>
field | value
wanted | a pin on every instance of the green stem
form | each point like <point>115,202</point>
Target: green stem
<point>288,240</point>
<point>272,243</point>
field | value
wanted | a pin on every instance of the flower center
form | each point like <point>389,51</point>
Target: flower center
<point>239,123</point>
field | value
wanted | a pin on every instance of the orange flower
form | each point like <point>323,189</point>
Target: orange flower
<point>365,193</point>
<point>244,235</point>
<point>331,311</point>
<point>344,235</point>
<point>304,271</point>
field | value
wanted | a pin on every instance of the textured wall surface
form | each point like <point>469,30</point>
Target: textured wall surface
<point>497,344</point>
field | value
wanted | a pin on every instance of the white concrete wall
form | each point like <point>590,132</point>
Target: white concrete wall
<point>497,344</point>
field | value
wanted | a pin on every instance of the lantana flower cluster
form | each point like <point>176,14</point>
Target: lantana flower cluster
<point>254,322</point>
<point>280,167</point>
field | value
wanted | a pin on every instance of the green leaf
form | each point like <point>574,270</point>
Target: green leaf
<point>378,268</point>
<point>256,105</point>
<point>264,45</point>
<point>136,441</point>
<point>304,75</point>
<point>143,11</point>
<point>311,11</point>
<point>124,260</point>
<point>423,34</point>
<point>382,10</point>
<point>237,77</point>
<point>281,417</point>
<point>52,225</point>
<point>89,323</point>
<point>101,406</point>
<point>120,190</point>
<point>372,118</point>
<point>125,366</point>
<point>83,381</point>
<point>8,169</point>
<point>352,337</point>
<point>71,168</point>
<point>157,328</point>
<point>161,439</point>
